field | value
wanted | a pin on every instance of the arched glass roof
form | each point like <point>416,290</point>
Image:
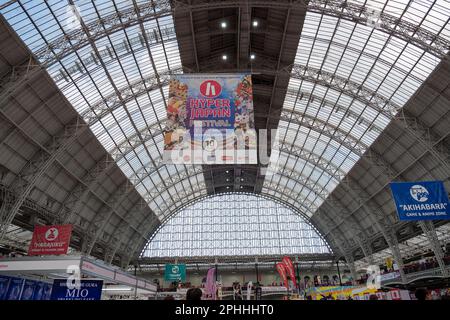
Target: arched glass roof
<point>349,78</point>
<point>235,224</point>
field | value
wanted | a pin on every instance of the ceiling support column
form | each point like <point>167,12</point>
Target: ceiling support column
<point>391,238</point>
<point>351,265</point>
<point>430,232</point>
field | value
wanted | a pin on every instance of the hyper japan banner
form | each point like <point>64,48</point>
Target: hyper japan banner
<point>50,240</point>
<point>210,120</point>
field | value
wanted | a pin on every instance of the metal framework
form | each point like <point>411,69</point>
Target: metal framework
<point>224,219</point>
<point>356,70</point>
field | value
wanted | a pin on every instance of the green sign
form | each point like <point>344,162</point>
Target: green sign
<point>175,272</point>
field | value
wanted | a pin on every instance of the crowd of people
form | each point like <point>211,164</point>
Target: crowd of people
<point>425,264</point>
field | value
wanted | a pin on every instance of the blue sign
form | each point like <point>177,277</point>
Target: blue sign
<point>38,291</point>
<point>14,289</point>
<point>28,290</point>
<point>88,290</point>
<point>427,200</point>
<point>46,295</point>
<point>4,283</point>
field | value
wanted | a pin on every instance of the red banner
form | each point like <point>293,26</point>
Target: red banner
<point>282,271</point>
<point>50,240</point>
<point>290,269</point>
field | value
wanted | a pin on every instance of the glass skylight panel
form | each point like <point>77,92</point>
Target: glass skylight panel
<point>252,226</point>
<point>369,57</point>
<point>124,57</point>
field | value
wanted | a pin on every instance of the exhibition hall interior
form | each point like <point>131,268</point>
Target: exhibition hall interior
<point>225,150</point>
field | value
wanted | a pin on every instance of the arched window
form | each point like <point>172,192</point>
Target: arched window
<point>235,225</point>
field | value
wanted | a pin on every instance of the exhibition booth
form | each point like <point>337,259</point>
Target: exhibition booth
<point>67,278</point>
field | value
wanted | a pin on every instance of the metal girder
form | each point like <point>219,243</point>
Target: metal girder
<point>100,220</point>
<point>363,199</point>
<point>307,96</point>
<point>332,239</point>
<point>178,207</point>
<point>79,193</point>
<point>41,161</point>
<point>97,29</point>
<point>314,159</point>
<point>405,30</point>
<point>286,148</point>
<point>327,129</point>
<point>107,25</point>
<point>147,220</point>
<point>351,265</point>
<point>430,232</point>
<point>40,210</point>
<point>18,76</point>
<point>392,241</point>
<point>137,88</point>
<point>352,89</point>
<point>137,245</point>
<point>384,169</point>
<point>300,119</point>
<point>355,90</point>
<point>37,166</point>
<point>387,229</point>
<point>381,104</point>
<point>427,138</point>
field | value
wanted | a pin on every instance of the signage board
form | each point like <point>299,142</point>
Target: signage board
<point>88,290</point>
<point>175,272</point>
<point>426,200</point>
<point>210,120</point>
<point>14,289</point>
<point>50,240</point>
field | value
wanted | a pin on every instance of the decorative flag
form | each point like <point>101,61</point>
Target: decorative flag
<point>50,240</point>
<point>210,120</point>
<point>249,290</point>
<point>211,284</point>
<point>281,268</point>
<point>290,269</point>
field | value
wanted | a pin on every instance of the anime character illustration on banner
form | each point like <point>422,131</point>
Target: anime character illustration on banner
<point>210,120</point>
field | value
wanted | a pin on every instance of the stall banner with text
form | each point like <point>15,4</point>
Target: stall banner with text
<point>50,240</point>
<point>175,272</point>
<point>426,200</point>
<point>12,288</point>
<point>88,290</point>
<point>210,120</point>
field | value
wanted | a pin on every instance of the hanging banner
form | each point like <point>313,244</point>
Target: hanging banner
<point>88,290</point>
<point>290,270</point>
<point>281,268</point>
<point>175,272</point>
<point>50,240</point>
<point>210,120</point>
<point>427,200</point>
